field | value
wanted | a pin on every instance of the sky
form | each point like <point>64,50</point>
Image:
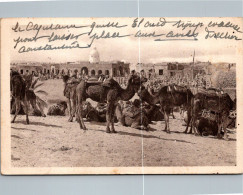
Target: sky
<point>130,49</point>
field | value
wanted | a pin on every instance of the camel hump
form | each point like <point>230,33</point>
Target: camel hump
<point>216,100</point>
<point>176,88</point>
<point>110,83</point>
<point>213,92</point>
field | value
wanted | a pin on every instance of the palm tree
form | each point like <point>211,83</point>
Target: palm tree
<point>32,91</point>
<point>35,100</point>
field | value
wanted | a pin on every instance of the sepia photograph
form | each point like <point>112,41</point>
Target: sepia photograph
<point>121,95</point>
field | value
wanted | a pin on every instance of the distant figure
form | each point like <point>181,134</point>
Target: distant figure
<point>106,77</point>
<point>101,78</point>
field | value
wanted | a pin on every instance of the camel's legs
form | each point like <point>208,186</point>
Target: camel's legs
<point>108,117</point>
<point>13,107</point>
<point>73,109</point>
<point>194,111</point>
<point>166,118</point>
<point>26,110</point>
<point>167,111</point>
<point>69,110</point>
<point>193,126</point>
<point>78,117</point>
<point>17,108</point>
<point>225,130</point>
<point>189,120</point>
<point>193,119</point>
<point>172,113</point>
<point>80,120</point>
<point>224,124</point>
<point>79,109</point>
<point>187,126</point>
<point>219,130</point>
<point>79,114</point>
<point>181,112</point>
<point>193,129</point>
<point>113,118</point>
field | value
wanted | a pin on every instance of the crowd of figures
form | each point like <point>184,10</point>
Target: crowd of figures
<point>155,82</point>
<point>209,111</point>
<point>200,81</point>
<point>51,75</point>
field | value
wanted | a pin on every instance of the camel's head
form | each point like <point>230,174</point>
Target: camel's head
<point>136,81</point>
<point>65,78</point>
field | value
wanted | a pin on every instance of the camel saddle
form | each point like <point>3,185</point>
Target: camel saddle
<point>93,80</point>
<point>110,83</point>
<point>177,88</point>
<point>211,92</point>
<point>207,114</point>
<point>215,100</point>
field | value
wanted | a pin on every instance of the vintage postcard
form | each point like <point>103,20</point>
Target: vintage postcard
<point>121,96</point>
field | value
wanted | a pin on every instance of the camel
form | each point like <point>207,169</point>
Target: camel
<point>152,92</point>
<point>110,92</point>
<point>18,87</point>
<point>169,97</point>
<point>214,105</point>
<point>132,115</point>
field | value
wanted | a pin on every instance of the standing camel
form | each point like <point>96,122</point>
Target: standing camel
<point>109,91</point>
<point>18,87</point>
<point>168,97</point>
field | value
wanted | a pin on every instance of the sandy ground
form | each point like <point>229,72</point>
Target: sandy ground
<point>52,141</point>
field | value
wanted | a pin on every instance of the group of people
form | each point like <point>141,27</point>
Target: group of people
<point>199,81</point>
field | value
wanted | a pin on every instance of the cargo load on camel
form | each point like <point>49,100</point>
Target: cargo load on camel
<point>214,105</point>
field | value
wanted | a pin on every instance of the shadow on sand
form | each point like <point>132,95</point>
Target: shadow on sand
<point>37,123</point>
<point>144,136</point>
<point>152,136</point>
<point>16,136</point>
<point>24,129</point>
